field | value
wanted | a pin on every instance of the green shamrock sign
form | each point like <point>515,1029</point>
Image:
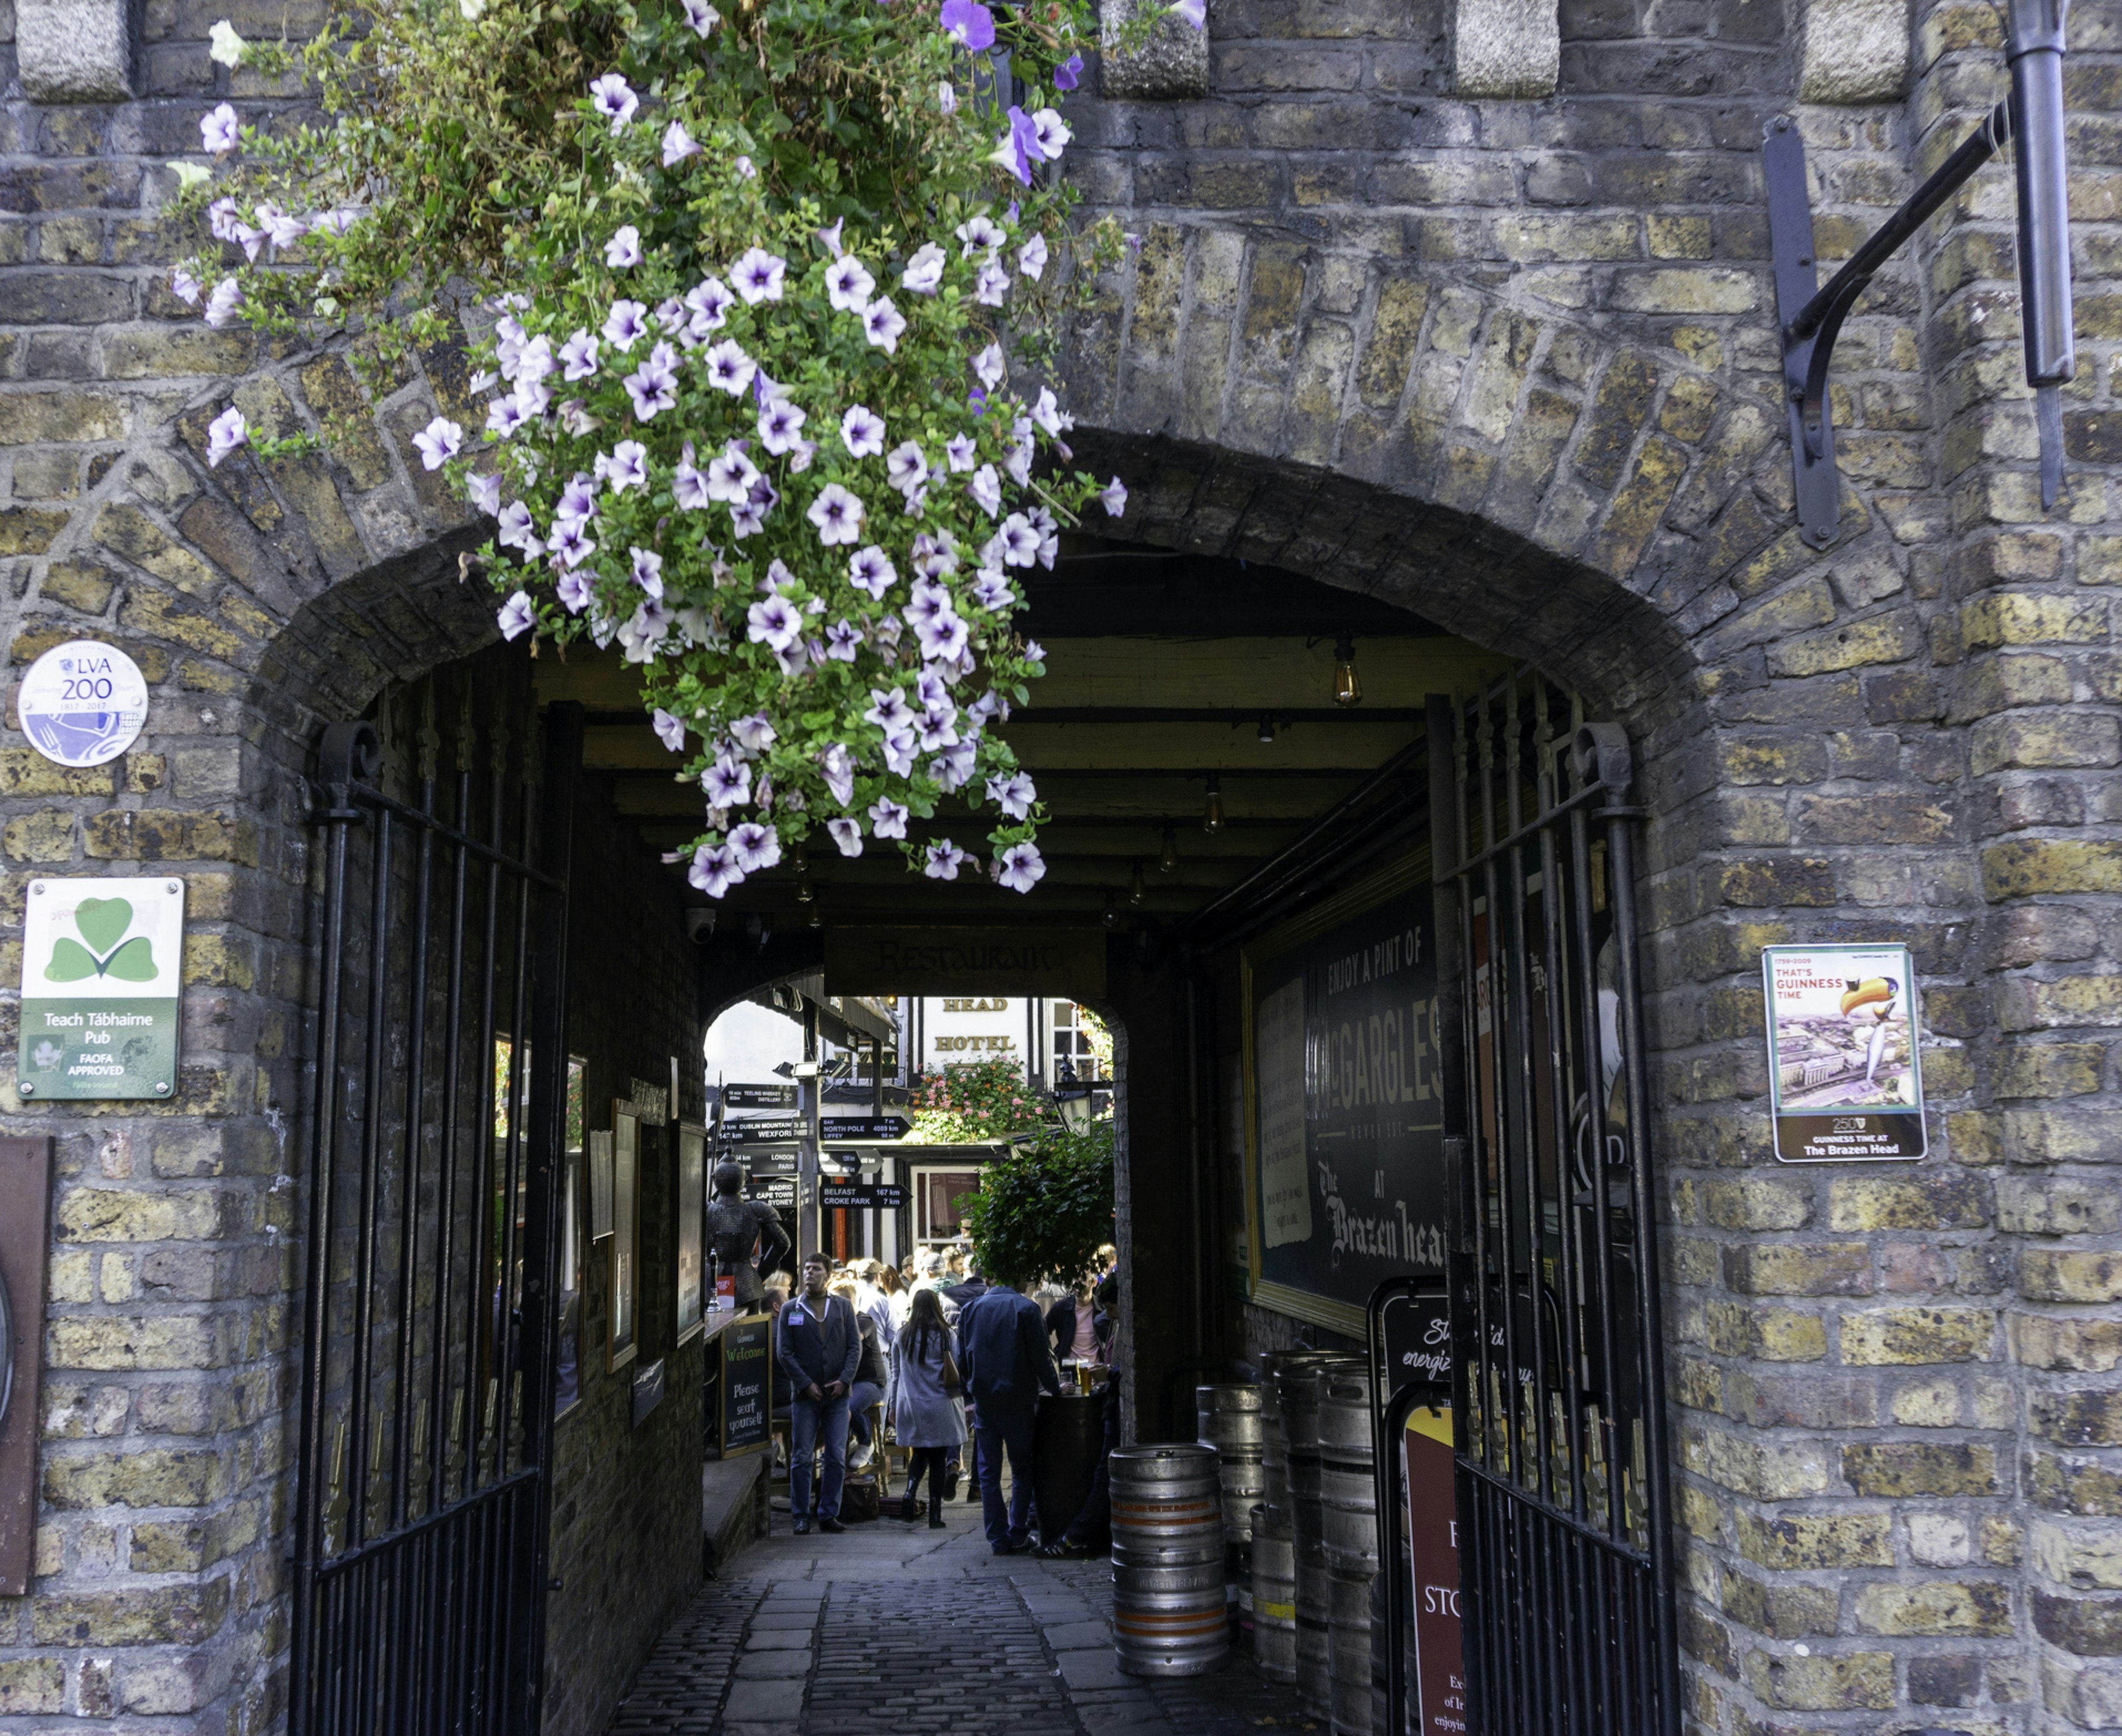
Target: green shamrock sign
<point>102,923</point>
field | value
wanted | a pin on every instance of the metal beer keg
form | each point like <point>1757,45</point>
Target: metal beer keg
<point>1274,1597</point>
<point>1227,1418</point>
<point>1169,1610</point>
<point>1349,1628</point>
<point>1296,1392</point>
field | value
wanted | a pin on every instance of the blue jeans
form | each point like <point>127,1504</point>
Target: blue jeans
<point>994,1436</point>
<point>812,1425</point>
<point>861,1396</point>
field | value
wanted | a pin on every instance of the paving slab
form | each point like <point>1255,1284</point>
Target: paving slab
<point>759,1666</point>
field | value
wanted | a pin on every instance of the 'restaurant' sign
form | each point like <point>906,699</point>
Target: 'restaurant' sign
<point>1845,1069</point>
<point>1066,962</point>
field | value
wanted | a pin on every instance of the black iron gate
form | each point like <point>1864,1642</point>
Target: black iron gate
<point>422,1510</point>
<point>1563,1514</point>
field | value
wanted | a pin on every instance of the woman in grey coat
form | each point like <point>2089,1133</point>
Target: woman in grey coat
<point>927,1415</point>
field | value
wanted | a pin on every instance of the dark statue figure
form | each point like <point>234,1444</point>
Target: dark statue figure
<point>735,1226</point>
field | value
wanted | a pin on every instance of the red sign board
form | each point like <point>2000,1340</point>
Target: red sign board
<point>1432,1512</point>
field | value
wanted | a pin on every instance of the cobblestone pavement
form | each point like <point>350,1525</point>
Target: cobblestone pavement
<point>900,1630</point>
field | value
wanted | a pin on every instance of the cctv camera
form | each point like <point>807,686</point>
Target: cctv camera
<point>699,927</point>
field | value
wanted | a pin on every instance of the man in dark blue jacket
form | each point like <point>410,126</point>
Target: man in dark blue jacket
<point>818,1346</point>
<point>1006,1362</point>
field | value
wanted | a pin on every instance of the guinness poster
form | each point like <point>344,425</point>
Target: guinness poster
<point>1344,1159</point>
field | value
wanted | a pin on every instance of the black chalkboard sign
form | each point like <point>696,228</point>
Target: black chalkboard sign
<point>747,1384</point>
<point>1344,1157</point>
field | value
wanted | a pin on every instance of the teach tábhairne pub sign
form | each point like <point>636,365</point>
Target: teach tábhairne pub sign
<point>1845,1066</point>
<point>102,967</point>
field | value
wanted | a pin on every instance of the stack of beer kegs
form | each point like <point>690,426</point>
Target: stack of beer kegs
<point>1226,1418</point>
<point>1349,1525</point>
<point>1298,1377</point>
<point>1169,1612</point>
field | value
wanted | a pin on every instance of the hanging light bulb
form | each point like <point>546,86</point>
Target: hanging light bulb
<point>1348,687</point>
<point>1212,813</point>
<point>817,915</point>
<point>1135,890</point>
<point>1168,858</point>
<point>1267,732</point>
<point>1112,912</point>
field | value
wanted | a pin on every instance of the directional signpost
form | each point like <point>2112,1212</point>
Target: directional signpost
<point>861,1195</point>
<point>761,1130</point>
<point>865,1127</point>
<point>760,1096</point>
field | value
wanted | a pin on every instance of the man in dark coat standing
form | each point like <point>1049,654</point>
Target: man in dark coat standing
<point>1006,1362</point>
<point>818,1346</point>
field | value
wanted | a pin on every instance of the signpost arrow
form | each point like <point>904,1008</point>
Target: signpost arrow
<point>761,1130</point>
<point>760,1096</point>
<point>863,1127</point>
<point>861,1195</point>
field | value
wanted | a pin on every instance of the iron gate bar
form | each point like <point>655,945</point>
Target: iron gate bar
<point>1543,1564</point>
<point>433,1622</point>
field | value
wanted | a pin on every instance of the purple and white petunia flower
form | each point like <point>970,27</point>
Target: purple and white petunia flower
<point>729,368</point>
<point>626,466</point>
<point>220,131</point>
<point>986,490</point>
<point>570,540</point>
<point>888,710</point>
<point>837,514</point>
<point>757,846</point>
<point>284,227</point>
<point>1195,13</point>
<point>1022,867</point>
<point>758,276</point>
<point>780,425</point>
<point>933,557</point>
<point>653,386</point>
<point>944,637</point>
<point>484,492</point>
<point>847,284</point>
<point>1053,131</point>
<point>1031,257</point>
<point>924,271</point>
<point>847,834</point>
<point>439,442</point>
<point>862,432</point>
<point>969,24</point>
<point>927,599</point>
<point>1020,541</point>
<point>870,570</point>
<point>578,357</point>
<point>944,856</point>
<point>990,367</point>
<point>953,769</point>
<point>993,592</point>
<point>730,475</point>
<point>842,639</point>
<point>777,575</point>
<point>898,747</point>
<point>981,235</point>
<point>881,324</point>
<point>515,530</point>
<point>220,218</point>
<point>574,590</point>
<point>689,486</point>
<point>906,467</point>
<point>1013,795</point>
<point>221,305</point>
<point>728,782</point>
<point>702,16</point>
<point>575,418</point>
<point>714,868</point>
<point>670,731</point>
<point>1050,415</point>
<point>671,318</point>
<point>577,503</point>
<point>773,621</point>
<point>754,734</point>
<point>745,167</point>
<point>710,301</point>
<point>678,145</point>
<point>647,571</point>
<point>626,324</point>
<point>1018,149</point>
<point>623,250</point>
<point>887,819</point>
<point>991,287</point>
<point>533,362</point>
<point>252,241</point>
<point>1113,497</point>
<point>225,433</point>
<point>839,767</point>
<point>1069,73</point>
<point>641,634</point>
<point>961,453</point>
<point>613,98</point>
<point>947,99</point>
<point>518,616</point>
<point>746,518</point>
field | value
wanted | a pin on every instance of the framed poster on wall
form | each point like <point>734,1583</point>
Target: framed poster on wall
<point>1342,1109</point>
<point>692,1226</point>
<point>624,1311</point>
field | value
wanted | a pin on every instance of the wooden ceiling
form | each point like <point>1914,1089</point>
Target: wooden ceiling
<point>1162,669</point>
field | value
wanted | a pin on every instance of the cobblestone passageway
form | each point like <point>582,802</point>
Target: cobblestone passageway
<point>895,1630</point>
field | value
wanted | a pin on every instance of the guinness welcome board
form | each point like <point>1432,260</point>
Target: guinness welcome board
<point>1343,1115</point>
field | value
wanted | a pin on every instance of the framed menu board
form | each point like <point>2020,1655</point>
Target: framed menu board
<point>692,1228</point>
<point>747,1385</point>
<point>1342,1109</point>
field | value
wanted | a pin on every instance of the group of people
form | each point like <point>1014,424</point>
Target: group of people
<point>932,1341</point>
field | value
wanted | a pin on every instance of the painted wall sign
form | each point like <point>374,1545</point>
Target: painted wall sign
<point>1344,1112</point>
<point>1845,1064</point>
<point>966,961</point>
<point>102,967</point>
<point>83,703</point>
